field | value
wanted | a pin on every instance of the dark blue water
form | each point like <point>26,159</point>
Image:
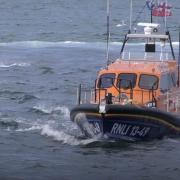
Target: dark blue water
<point>47,47</point>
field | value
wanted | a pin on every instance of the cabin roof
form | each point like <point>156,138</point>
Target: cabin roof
<point>153,36</point>
<point>140,67</point>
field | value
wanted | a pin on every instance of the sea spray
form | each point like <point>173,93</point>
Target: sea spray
<point>64,137</point>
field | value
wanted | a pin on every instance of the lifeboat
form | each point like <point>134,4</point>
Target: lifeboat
<point>136,96</point>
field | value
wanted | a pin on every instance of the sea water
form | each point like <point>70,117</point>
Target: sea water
<point>48,47</point>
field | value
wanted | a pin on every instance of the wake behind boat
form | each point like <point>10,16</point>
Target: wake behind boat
<point>137,96</point>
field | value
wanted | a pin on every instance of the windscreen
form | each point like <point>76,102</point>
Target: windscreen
<point>106,80</point>
<point>126,80</point>
<point>148,82</point>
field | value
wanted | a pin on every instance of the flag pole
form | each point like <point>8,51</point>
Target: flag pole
<point>165,18</point>
<point>151,15</point>
<point>152,11</point>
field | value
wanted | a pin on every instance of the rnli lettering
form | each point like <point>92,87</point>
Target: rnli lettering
<point>121,129</point>
<point>124,129</point>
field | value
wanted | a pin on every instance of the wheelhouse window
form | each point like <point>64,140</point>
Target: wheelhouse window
<point>167,81</point>
<point>173,77</point>
<point>148,82</point>
<point>126,80</point>
<point>106,80</point>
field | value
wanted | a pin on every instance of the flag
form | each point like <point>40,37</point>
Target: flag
<point>150,4</point>
<point>162,9</point>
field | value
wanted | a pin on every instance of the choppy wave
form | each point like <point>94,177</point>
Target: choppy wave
<point>49,109</point>
<point>47,70</point>
<point>26,97</point>
<point>19,96</point>
<point>10,124</point>
<point>57,134</point>
<point>46,44</point>
<point>64,137</point>
<point>61,135</point>
<point>32,128</point>
<point>66,133</point>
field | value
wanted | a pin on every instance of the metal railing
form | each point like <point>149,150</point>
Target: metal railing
<point>172,101</point>
<point>144,56</point>
<point>98,95</point>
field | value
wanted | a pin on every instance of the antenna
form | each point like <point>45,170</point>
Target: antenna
<point>108,34</point>
<point>179,61</point>
<point>130,20</point>
<point>179,45</point>
<point>165,17</point>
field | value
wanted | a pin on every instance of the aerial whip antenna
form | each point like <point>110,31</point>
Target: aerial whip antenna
<point>108,34</point>
<point>130,20</point>
<point>179,60</point>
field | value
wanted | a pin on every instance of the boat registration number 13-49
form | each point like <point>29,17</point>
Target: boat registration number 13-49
<point>130,130</point>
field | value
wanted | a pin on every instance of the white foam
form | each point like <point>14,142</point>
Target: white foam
<point>34,127</point>
<point>64,137</point>
<point>46,44</point>
<point>44,108</point>
<point>48,109</point>
<point>74,42</point>
<point>64,111</point>
<point>68,133</point>
<point>40,44</point>
<point>4,65</point>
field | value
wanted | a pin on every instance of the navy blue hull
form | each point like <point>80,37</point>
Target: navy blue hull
<point>124,122</point>
<point>127,128</point>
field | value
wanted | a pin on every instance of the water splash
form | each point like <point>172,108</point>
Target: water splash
<point>64,137</point>
<point>60,129</point>
<point>32,128</point>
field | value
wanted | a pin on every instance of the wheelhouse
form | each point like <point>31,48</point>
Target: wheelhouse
<point>140,82</point>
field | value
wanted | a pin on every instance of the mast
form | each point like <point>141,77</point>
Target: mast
<point>179,61</point>
<point>108,34</point>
